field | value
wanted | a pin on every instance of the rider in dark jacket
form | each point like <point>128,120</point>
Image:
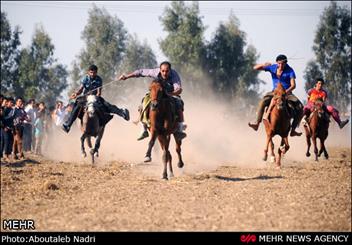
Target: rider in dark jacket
<point>91,84</point>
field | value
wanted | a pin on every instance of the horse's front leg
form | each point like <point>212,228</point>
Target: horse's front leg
<point>97,142</point>
<point>284,146</point>
<point>268,139</point>
<point>323,149</point>
<point>178,142</point>
<point>314,139</point>
<point>83,152</point>
<point>163,143</point>
<point>148,155</point>
<point>169,157</point>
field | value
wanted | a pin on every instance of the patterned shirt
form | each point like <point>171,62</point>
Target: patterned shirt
<point>90,84</point>
<point>174,79</point>
<point>314,95</point>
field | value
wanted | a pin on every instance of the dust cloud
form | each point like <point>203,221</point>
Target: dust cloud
<point>215,137</point>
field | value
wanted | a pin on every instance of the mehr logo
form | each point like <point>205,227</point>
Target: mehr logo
<point>248,238</point>
<point>18,224</point>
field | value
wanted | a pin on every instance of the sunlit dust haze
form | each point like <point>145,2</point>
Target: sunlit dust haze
<point>215,137</point>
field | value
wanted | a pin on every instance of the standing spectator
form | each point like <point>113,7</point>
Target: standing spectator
<point>1,124</point>
<point>39,131</point>
<point>59,113</point>
<point>19,117</point>
<point>8,126</point>
<point>28,126</point>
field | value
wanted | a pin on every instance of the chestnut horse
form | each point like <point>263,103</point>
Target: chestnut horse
<point>278,123</point>
<point>318,127</point>
<point>162,124</point>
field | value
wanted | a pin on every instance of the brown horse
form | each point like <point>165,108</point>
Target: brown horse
<point>278,123</point>
<point>318,127</point>
<point>162,124</point>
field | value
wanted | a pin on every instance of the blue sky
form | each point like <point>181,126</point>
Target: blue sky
<point>273,27</point>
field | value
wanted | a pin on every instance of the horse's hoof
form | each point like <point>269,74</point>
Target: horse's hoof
<point>84,155</point>
<point>326,157</point>
<point>180,164</point>
<point>171,175</point>
<point>278,167</point>
<point>96,154</point>
<point>265,158</point>
<point>92,151</point>
<point>164,178</point>
<point>147,159</point>
<point>307,154</point>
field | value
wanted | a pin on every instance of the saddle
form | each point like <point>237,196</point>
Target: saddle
<point>102,112</point>
<point>145,107</point>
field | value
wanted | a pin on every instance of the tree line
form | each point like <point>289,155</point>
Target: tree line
<point>224,63</point>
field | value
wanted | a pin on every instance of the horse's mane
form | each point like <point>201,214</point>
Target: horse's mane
<point>279,90</point>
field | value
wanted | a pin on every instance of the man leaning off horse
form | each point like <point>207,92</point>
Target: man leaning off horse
<point>91,84</point>
<point>173,82</point>
<point>283,73</point>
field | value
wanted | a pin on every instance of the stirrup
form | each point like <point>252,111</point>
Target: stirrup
<point>144,135</point>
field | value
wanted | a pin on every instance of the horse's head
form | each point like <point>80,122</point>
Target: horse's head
<point>279,96</point>
<point>156,92</point>
<point>318,107</point>
<point>91,104</point>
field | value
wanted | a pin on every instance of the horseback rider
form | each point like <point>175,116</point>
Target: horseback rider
<point>318,93</point>
<point>280,72</point>
<point>91,84</point>
<point>172,81</point>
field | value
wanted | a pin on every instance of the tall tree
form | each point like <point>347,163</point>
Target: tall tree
<point>105,42</point>
<point>332,48</point>
<point>184,43</point>
<point>40,76</point>
<point>10,55</point>
<point>138,55</point>
<point>230,63</point>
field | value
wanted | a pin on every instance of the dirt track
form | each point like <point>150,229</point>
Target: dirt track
<point>118,196</point>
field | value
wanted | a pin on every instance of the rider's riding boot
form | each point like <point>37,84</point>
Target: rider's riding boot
<point>179,133</point>
<point>144,133</point>
<point>343,123</point>
<point>74,114</point>
<point>121,112</point>
<point>65,128</point>
<point>255,126</point>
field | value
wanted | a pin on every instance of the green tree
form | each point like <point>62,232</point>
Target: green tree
<point>332,48</point>
<point>10,55</point>
<point>311,73</point>
<point>105,43</point>
<point>137,55</point>
<point>184,43</point>
<point>230,65</point>
<point>40,76</point>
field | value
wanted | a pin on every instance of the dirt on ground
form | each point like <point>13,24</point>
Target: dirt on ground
<point>120,196</point>
<point>224,186</point>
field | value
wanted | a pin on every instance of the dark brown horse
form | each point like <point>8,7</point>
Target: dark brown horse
<point>91,126</point>
<point>162,124</point>
<point>318,127</point>
<point>278,123</point>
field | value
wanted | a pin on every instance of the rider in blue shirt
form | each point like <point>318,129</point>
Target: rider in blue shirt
<point>280,72</point>
<point>91,84</point>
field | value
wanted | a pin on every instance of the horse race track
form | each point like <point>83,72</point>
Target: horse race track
<point>119,196</point>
